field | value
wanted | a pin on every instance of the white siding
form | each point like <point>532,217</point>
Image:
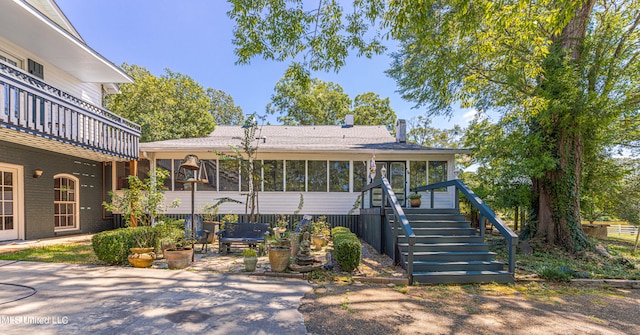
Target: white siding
<point>269,202</point>
<point>91,92</point>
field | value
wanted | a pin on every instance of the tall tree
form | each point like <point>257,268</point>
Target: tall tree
<point>321,103</point>
<point>166,107</point>
<point>562,74</point>
<point>370,109</point>
<point>223,109</point>
<point>421,132</point>
<point>325,103</point>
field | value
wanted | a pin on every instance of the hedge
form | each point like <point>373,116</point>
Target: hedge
<point>347,248</point>
<point>112,246</point>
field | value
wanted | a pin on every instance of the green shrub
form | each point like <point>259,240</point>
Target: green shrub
<point>249,252</point>
<point>113,246</point>
<point>347,248</point>
<point>555,273</point>
<point>171,232</point>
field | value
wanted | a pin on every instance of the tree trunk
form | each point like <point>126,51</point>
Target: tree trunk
<point>558,189</point>
<point>516,219</point>
<point>558,206</point>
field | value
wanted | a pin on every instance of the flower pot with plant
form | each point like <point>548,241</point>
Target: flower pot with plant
<point>142,255</point>
<point>414,199</point>
<point>281,225</point>
<point>279,254</point>
<point>320,232</point>
<point>181,255</point>
<point>250,259</point>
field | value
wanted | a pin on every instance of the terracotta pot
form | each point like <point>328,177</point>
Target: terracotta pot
<point>415,202</point>
<point>178,258</point>
<point>141,257</point>
<point>250,264</point>
<point>279,259</point>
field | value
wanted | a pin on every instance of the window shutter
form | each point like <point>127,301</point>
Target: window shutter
<point>36,69</point>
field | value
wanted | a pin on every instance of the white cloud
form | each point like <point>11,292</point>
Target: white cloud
<point>468,116</point>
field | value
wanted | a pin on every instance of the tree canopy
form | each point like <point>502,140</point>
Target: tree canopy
<point>325,103</point>
<point>166,107</point>
<point>223,109</point>
<point>562,76</point>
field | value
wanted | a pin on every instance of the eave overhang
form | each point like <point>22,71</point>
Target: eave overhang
<point>26,27</point>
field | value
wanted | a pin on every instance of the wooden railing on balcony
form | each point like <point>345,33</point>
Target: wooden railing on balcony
<point>30,105</point>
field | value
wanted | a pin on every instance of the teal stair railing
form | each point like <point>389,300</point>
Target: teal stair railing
<point>485,212</point>
<point>401,221</point>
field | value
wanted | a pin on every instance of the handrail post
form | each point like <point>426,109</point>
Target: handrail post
<point>456,198</point>
<point>512,257</point>
<point>433,198</point>
<point>481,224</point>
<point>412,241</point>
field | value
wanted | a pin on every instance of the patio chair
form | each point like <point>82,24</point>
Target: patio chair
<point>201,235</point>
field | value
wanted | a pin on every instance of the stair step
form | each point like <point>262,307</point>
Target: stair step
<point>451,256</point>
<point>445,238</point>
<point>437,223</point>
<point>459,277</point>
<point>455,217</point>
<point>418,247</point>
<point>448,211</point>
<point>442,231</point>
<point>420,266</point>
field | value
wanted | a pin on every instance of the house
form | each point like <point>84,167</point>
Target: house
<point>327,165</point>
<point>57,142</point>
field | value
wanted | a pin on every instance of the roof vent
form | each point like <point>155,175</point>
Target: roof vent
<point>348,121</point>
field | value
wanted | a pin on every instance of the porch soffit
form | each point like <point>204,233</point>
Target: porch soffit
<point>12,136</point>
<point>23,25</point>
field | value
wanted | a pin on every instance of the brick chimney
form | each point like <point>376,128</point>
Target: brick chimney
<point>401,131</point>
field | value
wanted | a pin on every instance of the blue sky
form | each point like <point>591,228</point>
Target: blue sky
<point>193,37</point>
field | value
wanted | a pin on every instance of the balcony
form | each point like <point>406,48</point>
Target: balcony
<point>36,114</point>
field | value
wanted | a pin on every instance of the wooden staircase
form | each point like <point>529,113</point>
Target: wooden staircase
<point>447,249</point>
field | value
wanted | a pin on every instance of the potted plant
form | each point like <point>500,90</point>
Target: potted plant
<point>279,254</point>
<point>250,259</point>
<point>142,256</point>
<point>179,257</point>
<point>320,232</point>
<point>281,225</point>
<point>414,199</point>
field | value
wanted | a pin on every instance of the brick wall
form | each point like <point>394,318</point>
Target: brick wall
<point>38,192</point>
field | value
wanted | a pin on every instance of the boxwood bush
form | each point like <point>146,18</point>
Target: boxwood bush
<point>347,248</point>
<point>112,246</point>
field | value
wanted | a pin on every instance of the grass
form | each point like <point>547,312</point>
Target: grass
<point>73,253</point>
<point>556,264</point>
<point>623,237</point>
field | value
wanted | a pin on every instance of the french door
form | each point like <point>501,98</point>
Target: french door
<point>10,191</point>
<point>395,173</point>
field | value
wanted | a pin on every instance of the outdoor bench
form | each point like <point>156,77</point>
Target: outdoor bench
<point>250,234</point>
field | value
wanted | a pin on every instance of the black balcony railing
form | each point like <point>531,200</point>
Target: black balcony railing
<point>30,105</point>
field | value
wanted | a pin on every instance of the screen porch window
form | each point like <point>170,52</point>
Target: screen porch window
<point>438,173</point>
<point>66,199</point>
<point>338,176</point>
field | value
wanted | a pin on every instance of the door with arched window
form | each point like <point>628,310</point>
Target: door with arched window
<point>66,203</point>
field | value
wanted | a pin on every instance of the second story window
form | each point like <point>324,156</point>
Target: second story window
<point>11,60</point>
